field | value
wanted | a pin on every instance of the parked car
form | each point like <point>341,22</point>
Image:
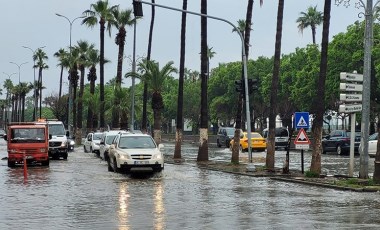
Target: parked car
<point>224,136</point>
<point>105,143</point>
<point>281,137</point>
<point>372,145</point>
<point>133,151</point>
<point>258,142</point>
<point>339,141</point>
<point>92,142</point>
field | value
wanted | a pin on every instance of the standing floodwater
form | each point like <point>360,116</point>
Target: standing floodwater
<point>79,193</point>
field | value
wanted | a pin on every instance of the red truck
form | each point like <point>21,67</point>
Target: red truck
<point>27,140</point>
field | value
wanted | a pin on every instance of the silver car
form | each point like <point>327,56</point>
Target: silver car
<point>135,152</point>
<point>105,143</point>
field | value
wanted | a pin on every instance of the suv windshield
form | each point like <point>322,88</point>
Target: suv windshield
<point>136,142</point>
<point>109,139</point>
<point>56,129</point>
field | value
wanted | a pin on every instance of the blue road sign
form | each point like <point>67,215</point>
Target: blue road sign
<point>301,120</point>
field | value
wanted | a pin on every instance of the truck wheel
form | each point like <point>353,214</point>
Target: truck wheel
<point>65,156</point>
<point>11,164</point>
<point>84,149</point>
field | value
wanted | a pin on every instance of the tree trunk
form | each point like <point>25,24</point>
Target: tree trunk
<point>78,134</point>
<point>203,144</point>
<point>101,74</point>
<point>60,83</point>
<point>179,129</point>
<point>273,95</point>
<point>320,105</point>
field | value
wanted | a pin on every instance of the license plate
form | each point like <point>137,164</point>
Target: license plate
<point>141,162</point>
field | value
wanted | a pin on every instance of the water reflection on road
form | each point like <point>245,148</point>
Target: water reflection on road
<point>81,194</point>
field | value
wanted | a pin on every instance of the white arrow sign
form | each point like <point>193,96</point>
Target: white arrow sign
<point>351,87</point>
<point>351,77</point>
<point>350,97</point>
<point>350,108</point>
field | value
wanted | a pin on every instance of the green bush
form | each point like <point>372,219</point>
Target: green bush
<point>311,174</point>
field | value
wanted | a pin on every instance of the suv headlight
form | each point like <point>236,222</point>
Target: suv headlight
<point>124,156</point>
<point>64,143</point>
<point>157,156</point>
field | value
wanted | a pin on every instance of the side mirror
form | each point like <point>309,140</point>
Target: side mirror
<point>5,137</point>
<point>50,136</point>
<point>67,133</point>
<point>89,138</point>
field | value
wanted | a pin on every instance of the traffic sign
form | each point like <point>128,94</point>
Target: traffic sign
<point>350,108</point>
<point>351,87</point>
<point>302,146</point>
<point>302,138</point>
<point>351,97</point>
<point>301,120</point>
<point>351,77</point>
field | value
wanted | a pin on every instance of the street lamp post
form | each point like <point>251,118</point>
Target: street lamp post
<point>19,69</point>
<point>34,79</point>
<point>137,8</point>
<point>19,81</point>
<point>70,85</point>
<point>133,78</point>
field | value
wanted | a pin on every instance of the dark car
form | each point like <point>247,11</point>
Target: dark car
<point>339,141</point>
<point>225,134</point>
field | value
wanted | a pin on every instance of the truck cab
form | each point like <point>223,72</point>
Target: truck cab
<point>58,144</point>
<point>27,141</point>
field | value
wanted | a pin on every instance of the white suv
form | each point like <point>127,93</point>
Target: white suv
<point>92,142</point>
<point>106,141</point>
<point>135,152</point>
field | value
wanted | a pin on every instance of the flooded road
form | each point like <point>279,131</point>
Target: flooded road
<point>81,194</point>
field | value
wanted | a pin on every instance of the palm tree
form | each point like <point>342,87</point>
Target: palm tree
<point>203,128</point>
<point>93,60</point>
<point>8,85</point>
<point>274,89</point>
<point>311,18</point>
<point>25,88</point>
<point>156,78</point>
<point>60,54</point>
<point>245,30</point>
<point>240,26</point>
<point>40,57</point>
<point>179,128</point>
<point>83,48</point>
<point>122,18</point>
<point>319,107</point>
<point>100,12</point>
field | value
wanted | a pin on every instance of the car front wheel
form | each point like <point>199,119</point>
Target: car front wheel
<point>115,168</point>
<point>109,166</point>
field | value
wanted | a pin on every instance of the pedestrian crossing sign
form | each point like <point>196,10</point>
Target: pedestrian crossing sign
<point>301,120</point>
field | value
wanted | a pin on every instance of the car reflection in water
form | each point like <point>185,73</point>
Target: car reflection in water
<point>158,209</point>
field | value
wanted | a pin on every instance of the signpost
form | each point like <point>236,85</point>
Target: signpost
<point>302,142</point>
<point>353,88</point>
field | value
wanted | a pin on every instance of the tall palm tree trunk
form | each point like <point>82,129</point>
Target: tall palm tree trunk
<point>179,130</point>
<point>40,89</point>
<point>116,108</point>
<point>238,126</point>
<point>157,105</point>
<point>144,119</point>
<point>78,134</point>
<point>203,129</point>
<point>60,83</point>
<point>101,73</point>
<point>274,89</point>
<point>320,106</point>
<point>90,112</point>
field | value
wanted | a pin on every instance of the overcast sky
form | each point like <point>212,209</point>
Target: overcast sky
<point>33,23</point>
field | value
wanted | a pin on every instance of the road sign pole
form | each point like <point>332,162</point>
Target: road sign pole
<point>352,145</point>
<point>302,162</point>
